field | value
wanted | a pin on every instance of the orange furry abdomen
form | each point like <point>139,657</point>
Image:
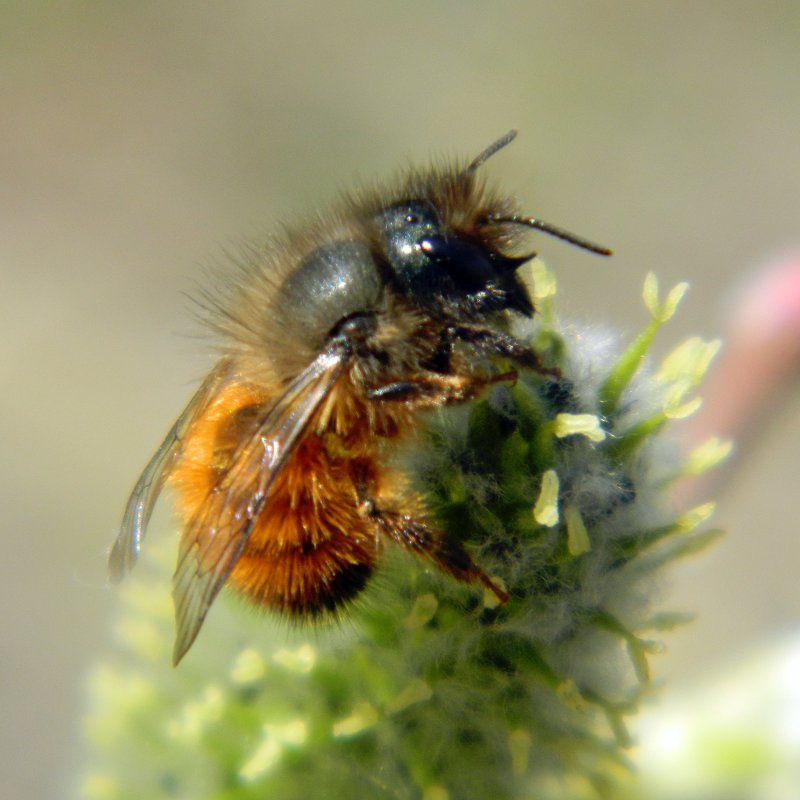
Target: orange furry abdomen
<point>313,546</point>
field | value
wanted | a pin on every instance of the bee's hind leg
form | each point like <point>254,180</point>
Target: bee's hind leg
<point>446,552</point>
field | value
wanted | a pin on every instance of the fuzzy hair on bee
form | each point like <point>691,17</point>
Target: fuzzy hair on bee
<point>333,343</point>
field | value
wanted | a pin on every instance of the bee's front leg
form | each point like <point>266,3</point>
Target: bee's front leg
<point>493,342</point>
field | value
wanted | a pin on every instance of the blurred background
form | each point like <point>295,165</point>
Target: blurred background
<point>140,140</point>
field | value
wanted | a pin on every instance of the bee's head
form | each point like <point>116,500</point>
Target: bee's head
<point>436,266</point>
<point>443,243</point>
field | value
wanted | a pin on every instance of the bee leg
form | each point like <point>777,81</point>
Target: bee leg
<point>499,343</point>
<point>424,391</point>
<point>433,389</point>
<point>445,551</point>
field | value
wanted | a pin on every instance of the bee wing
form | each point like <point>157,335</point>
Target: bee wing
<point>214,539</point>
<point>139,508</point>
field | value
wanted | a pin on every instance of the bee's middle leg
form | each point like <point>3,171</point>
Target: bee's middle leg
<point>429,389</point>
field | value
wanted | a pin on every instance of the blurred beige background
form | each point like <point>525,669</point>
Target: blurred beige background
<point>138,140</point>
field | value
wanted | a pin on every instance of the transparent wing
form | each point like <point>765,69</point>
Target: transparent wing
<point>139,508</point>
<point>214,539</point>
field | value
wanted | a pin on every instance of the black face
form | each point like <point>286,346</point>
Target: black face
<point>439,267</point>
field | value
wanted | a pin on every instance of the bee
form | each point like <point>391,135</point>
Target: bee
<point>334,343</point>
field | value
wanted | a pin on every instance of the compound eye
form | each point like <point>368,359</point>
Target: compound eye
<point>435,247</point>
<point>404,227</point>
<point>468,266</point>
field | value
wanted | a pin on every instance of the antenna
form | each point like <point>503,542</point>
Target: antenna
<point>486,154</point>
<point>553,230</point>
